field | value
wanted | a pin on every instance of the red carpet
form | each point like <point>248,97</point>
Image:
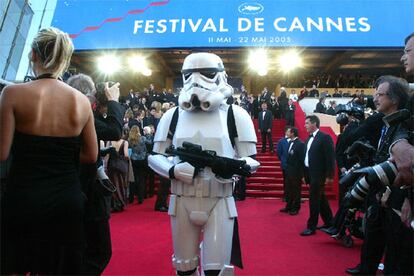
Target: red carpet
<point>270,242</point>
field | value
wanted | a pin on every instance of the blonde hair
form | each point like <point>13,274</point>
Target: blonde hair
<point>54,49</point>
<point>156,105</point>
<point>129,114</point>
<point>134,135</point>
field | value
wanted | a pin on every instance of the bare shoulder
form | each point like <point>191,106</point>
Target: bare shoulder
<point>11,93</point>
<point>80,98</point>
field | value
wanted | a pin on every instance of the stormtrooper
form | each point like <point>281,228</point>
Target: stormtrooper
<point>201,204</point>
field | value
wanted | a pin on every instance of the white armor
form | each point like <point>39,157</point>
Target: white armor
<point>203,204</point>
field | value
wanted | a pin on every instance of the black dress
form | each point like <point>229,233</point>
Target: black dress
<point>42,207</point>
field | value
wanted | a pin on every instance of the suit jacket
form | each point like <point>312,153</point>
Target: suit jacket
<point>282,151</point>
<point>320,108</point>
<point>321,156</point>
<point>295,158</point>
<point>266,123</point>
<point>265,97</point>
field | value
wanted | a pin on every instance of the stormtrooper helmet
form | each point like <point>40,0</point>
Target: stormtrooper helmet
<point>205,83</point>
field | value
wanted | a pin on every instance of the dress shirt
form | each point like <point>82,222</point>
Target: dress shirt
<point>308,147</point>
<point>291,143</point>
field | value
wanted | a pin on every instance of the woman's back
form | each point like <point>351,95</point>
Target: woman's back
<point>49,129</point>
<point>50,108</point>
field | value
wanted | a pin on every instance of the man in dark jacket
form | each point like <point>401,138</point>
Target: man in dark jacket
<point>319,171</point>
<point>294,172</point>
<point>265,127</point>
<point>108,127</point>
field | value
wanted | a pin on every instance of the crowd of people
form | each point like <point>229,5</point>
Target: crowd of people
<point>70,170</point>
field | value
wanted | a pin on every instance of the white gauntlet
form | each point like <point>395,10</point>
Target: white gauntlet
<point>183,172</point>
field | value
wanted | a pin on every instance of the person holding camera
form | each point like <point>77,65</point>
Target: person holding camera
<point>403,149</point>
<point>108,127</point>
<point>42,208</point>
<point>384,229</point>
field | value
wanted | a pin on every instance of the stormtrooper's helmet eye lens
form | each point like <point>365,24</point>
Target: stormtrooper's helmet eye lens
<point>187,76</point>
<point>208,74</point>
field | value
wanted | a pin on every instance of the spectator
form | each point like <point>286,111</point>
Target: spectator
<point>314,93</point>
<point>265,127</point>
<point>138,156</point>
<point>319,171</point>
<point>293,96</point>
<point>331,109</point>
<point>320,106</point>
<point>294,171</point>
<point>95,183</point>
<point>42,207</point>
<point>336,93</point>
<point>282,151</point>
<point>290,113</point>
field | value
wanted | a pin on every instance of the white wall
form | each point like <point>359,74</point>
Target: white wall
<point>309,104</point>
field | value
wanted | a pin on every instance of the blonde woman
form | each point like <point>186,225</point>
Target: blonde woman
<point>51,127</point>
<point>158,107</point>
<point>137,143</point>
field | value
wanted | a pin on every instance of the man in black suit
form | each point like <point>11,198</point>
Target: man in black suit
<point>265,127</point>
<point>319,171</point>
<point>265,96</point>
<point>294,172</point>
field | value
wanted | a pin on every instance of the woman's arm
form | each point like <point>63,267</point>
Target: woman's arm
<point>89,149</point>
<point>126,154</point>
<point>7,122</point>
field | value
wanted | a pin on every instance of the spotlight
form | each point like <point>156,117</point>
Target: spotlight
<point>108,64</point>
<point>147,72</point>
<point>262,72</point>
<point>137,63</point>
<point>290,61</point>
<point>258,61</point>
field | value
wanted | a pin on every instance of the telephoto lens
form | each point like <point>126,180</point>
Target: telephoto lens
<point>375,177</point>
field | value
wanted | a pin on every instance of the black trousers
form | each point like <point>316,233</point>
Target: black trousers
<point>318,204</point>
<point>240,189</point>
<point>399,245</point>
<point>138,187</point>
<point>267,136</point>
<point>293,190</point>
<point>373,246</point>
<point>163,191</point>
<point>98,248</point>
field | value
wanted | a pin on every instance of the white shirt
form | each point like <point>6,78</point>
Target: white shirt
<point>308,147</point>
<point>291,144</point>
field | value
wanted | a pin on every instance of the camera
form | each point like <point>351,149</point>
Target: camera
<point>343,111</point>
<point>100,92</point>
<point>363,153</point>
<point>373,178</point>
<point>382,174</point>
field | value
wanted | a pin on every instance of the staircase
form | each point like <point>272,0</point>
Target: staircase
<point>267,182</point>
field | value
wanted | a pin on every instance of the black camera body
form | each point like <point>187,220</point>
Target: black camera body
<point>363,153</point>
<point>343,111</point>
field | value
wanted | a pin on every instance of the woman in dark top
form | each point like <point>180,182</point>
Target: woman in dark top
<point>138,145</point>
<point>48,128</point>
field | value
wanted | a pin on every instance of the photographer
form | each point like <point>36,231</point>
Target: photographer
<point>384,229</point>
<point>108,126</point>
<point>349,117</point>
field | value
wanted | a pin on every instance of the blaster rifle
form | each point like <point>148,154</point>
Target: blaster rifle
<point>199,158</point>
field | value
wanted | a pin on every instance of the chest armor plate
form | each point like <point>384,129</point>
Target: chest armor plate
<point>208,129</point>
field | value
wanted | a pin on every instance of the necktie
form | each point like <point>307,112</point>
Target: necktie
<point>383,133</point>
